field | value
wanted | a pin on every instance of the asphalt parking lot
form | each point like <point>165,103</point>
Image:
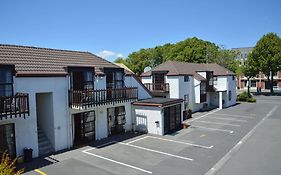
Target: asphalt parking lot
<point>211,145</point>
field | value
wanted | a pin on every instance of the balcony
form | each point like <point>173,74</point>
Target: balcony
<point>14,106</point>
<point>84,99</point>
<point>160,87</point>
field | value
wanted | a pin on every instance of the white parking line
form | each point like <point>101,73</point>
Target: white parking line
<point>190,120</point>
<point>230,119</point>
<point>137,139</point>
<point>215,129</point>
<point>185,143</point>
<point>219,123</point>
<point>236,148</point>
<point>232,115</point>
<point>114,161</point>
<point>155,151</point>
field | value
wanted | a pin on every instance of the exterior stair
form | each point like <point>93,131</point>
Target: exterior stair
<point>44,144</point>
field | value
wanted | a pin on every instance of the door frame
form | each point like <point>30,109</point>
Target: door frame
<point>79,117</point>
<point>14,138</point>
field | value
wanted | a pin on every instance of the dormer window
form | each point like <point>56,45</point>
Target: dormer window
<point>81,78</point>
<point>6,81</point>
<point>114,78</point>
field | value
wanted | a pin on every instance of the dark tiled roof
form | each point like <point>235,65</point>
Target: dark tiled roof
<point>184,68</point>
<point>34,60</point>
<point>158,102</point>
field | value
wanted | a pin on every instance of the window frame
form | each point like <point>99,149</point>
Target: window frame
<point>186,78</point>
<point>10,84</point>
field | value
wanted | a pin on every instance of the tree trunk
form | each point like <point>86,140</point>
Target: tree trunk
<point>271,83</point>
<point>248,79</point>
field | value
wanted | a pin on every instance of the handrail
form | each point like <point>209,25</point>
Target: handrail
<point>157,86</point>
<point>90,98</point>
<point>16,105</point>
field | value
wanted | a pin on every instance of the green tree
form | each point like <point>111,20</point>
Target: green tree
<point>250,70</point>
<point>266,56</point>
<point>189,50</point>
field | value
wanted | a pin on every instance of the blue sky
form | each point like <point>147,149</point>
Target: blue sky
<point>114,28</point>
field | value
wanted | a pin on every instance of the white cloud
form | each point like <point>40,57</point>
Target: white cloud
<point>109,54</point>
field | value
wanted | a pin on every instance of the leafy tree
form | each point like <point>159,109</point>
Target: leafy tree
<point>266,56</point>
<point>250,70</point>
<point>189,50</point>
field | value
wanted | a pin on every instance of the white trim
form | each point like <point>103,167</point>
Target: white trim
<point>236,148</point>
<point>219,123</point>
<point>203,115</point>
<point>185,143</point>
<point>230,119</point>
<point>155,151</point>
<point>215,129</point>
<point>231,115</point>
<point>114,161</point>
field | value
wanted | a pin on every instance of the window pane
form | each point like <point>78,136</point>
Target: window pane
<point>5,76</point>
<point>6,90</point>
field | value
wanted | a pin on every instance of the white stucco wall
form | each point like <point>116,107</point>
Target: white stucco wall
<point>101,123</point>
<point>174,86</point>
<point>203,74</point>
<point>231,86</point>
<point>146,79</point>
<point>131,81</point>
<point>221,84</point>
<point>100,82</point>
<point>146,117</point>
<point>26,132</point>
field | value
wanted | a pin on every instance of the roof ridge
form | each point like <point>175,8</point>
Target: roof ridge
<point>45,48</point>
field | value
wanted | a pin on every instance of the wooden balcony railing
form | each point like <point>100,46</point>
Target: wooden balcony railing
<point>83,99</point>
<point>14,106</point>
<point>157,87</point>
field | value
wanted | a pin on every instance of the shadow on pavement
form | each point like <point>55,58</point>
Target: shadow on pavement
<point>46,160</point>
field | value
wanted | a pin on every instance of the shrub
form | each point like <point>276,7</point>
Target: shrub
<point>245,97</point>
<point>8,166</point>
<point>251,100</point>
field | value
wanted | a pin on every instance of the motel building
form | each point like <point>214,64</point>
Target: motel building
<point>52,99</point>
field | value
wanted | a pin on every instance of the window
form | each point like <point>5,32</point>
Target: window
<point>88,80</point>
<point>81,78</point>
<point>253,83</point>
<point>186,78</point>
<point>114,79</point>
<point>229,95</point>
<point>6,82</point>
<point>116,119</point>
<point>119,80</point>
<point>215,80</point>
<point>233,77</point>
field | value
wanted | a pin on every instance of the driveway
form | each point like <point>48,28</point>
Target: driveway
<point>243,139</point>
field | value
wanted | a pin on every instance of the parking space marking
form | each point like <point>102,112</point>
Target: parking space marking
<point>215,129</point>
<point>230,119</point>
<point>155,151</point>
<point>114,161</point>
<point>232,115</point>
<point>228,155</point>
<point>137,139</point>
<point>40,172</point>
<point>190,120</point>
<point>185,143</point>
<point>219,123</point>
